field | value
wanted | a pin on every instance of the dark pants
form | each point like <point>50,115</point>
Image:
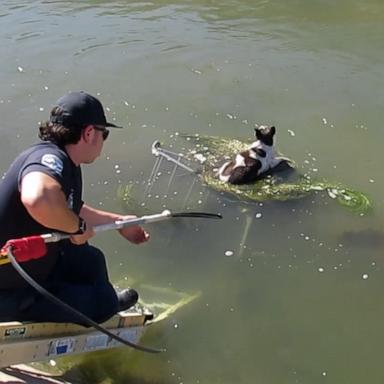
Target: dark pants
<point>80,279</point>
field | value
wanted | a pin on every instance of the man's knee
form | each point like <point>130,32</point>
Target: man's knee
<point>83,264</point>
<point>97,302</point>
<point>97,255</point>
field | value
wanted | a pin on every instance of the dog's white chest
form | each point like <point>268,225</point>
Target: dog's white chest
<point>239,161</point>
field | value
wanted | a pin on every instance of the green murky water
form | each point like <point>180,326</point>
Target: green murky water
<point>285,295</point>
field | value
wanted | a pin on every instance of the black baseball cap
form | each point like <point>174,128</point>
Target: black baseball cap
<point>80,109</point>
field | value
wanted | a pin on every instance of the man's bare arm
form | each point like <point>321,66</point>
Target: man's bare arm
<point>45,201</point>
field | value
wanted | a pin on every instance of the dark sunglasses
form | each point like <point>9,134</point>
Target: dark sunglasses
<point>105,131</point>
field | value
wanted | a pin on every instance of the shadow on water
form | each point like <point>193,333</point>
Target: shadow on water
<point>114,367</point>
<point>365,238</point>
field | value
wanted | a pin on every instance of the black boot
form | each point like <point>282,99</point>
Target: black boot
<point>127,298</point>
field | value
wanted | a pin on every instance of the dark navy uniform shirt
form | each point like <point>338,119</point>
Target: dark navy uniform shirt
<point>16,222</point>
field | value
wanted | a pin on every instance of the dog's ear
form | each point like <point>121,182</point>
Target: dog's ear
<point>272,130</point>
<point>258,133</point>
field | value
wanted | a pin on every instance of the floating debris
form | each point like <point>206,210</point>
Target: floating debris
<point>200,158</point>
<point>332,193</point>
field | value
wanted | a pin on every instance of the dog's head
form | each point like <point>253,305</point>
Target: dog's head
<point>265,135</point>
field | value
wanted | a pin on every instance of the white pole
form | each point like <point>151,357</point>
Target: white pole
<point>166,214</point>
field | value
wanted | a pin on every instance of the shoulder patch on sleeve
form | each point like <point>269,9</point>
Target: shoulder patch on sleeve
<point>53,162</point>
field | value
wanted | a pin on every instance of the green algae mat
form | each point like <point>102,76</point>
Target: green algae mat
<point>278,186</point>
<point>207,153</point>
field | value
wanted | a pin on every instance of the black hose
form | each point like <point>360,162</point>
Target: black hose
<point>74,311</point>
<point>203,215</point>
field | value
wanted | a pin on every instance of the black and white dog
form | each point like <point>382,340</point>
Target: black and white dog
<point>253,162</point>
